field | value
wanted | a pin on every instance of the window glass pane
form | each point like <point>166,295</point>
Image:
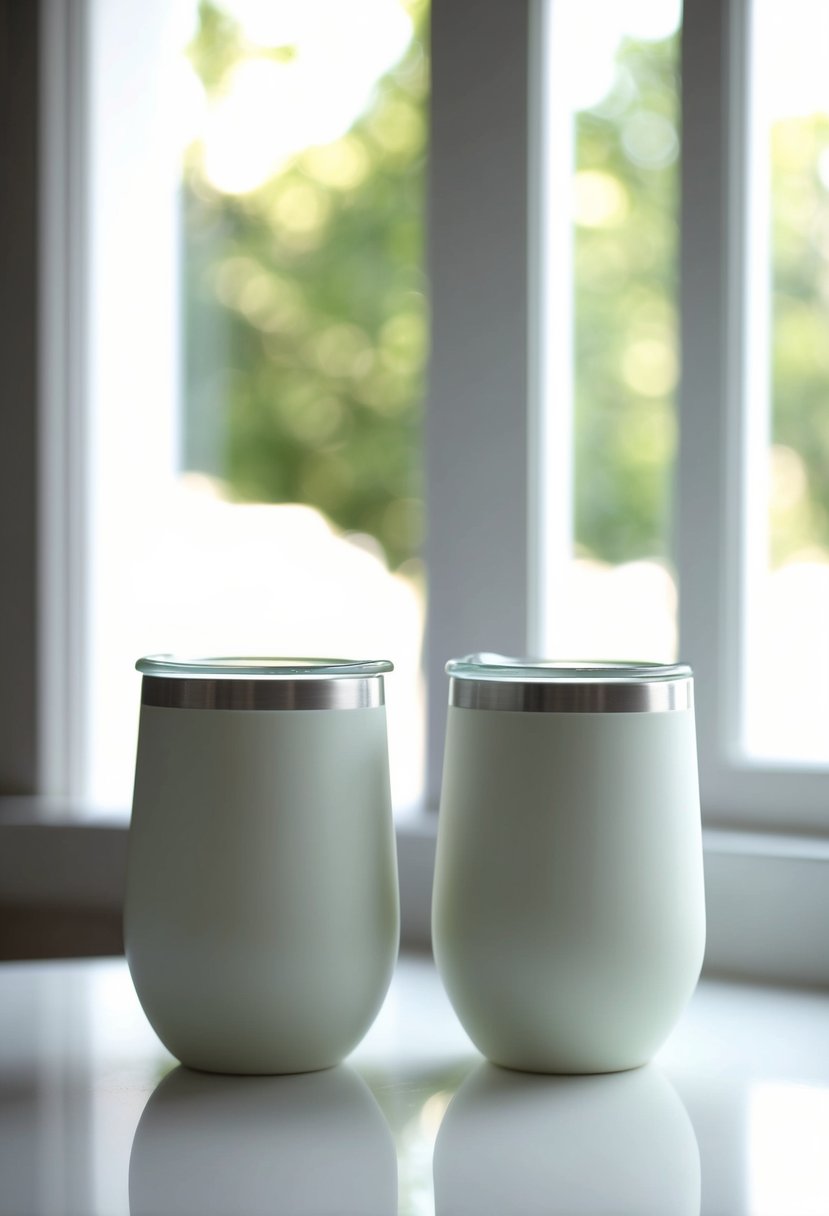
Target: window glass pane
<point>277,508</point>
<point>787,701</point>
<point>617,594</point>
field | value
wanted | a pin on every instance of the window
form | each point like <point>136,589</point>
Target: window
<point>506,538</point>
<point>500,479</point>
<point>722,500</point>
<point>708,539</point>
<point>610,330</point>
<point>786,698</point>
<point>257,338</point>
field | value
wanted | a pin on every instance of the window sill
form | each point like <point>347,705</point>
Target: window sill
<point>62,878</point>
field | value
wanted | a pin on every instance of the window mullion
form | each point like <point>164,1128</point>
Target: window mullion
<point>64,437</point>
<point>710,469</point>
<point>477,432</point>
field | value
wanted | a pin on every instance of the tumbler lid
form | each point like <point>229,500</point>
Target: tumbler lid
<point>494,681</point>
<point>257,682</point>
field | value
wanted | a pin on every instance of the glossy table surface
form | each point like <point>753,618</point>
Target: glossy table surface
<point>96,1119</point>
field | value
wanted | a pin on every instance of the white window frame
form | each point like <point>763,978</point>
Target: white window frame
<point>767,857</point>
<point>719,434</point>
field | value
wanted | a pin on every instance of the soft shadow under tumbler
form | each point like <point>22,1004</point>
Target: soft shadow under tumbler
<point>569,917</point>
<point>261,919</point>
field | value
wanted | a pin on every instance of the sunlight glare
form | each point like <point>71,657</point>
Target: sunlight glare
<point>788,1166</point>
<point>600,200</point>
<point>269,110</point>
<point>793,39</point>
<point>593,30</point>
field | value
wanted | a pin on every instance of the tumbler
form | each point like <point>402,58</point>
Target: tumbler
<point>568,912</point>
<point>261,917</point>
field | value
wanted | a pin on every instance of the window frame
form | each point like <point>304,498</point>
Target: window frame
<point>484,449</point>
<point>718,432</point>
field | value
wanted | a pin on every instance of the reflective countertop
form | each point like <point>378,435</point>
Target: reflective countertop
<point>96,1119</point>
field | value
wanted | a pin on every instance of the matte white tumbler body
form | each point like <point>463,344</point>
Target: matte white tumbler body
<point>568,917</point>
<point>261,917</point>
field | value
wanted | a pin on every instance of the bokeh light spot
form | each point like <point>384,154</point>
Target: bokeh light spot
<point>649,367</point>
<point>599,199</point>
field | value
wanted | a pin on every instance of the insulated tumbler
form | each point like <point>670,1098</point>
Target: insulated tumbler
<point>568,913</point>
<point>261,915</point>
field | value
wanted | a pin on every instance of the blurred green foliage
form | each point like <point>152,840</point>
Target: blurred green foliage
<point>306,312</point>
<point>800,341</point>
<point>626,324</point>
<point>307,323</point>
<point>625,289</point>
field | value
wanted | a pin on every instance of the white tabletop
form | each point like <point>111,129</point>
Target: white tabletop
<point>97,1120</point>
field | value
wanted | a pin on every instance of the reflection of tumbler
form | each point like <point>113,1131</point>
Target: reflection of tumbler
<point>298,1146</point>
<point>261,917</point>
<point>569,918</point>
<point>512,1145</point>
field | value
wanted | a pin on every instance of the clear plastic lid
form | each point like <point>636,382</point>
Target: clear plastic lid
<point>251,667</point>
<point>487,666</point>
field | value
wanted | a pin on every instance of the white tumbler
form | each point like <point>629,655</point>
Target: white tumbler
<point>569,914</point>
<point>261,919</point>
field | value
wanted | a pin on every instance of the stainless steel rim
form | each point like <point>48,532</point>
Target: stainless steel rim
<point>165,692</point>
<point>528,686</point>
<point>573,698</point>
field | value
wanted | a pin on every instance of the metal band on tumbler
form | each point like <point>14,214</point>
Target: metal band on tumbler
<point>574,697</point>
<point>223,693</point>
